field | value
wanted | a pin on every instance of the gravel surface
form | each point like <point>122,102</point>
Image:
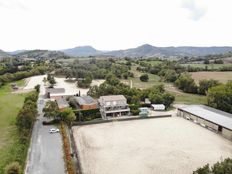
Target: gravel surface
<point>154,146</point>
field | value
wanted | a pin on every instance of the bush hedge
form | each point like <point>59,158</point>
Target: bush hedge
<point>66,147</point>
<point>87,115</point>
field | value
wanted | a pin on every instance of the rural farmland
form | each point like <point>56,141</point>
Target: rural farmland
<point>222,77</point>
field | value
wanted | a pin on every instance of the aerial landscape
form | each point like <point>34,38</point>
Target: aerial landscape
<point>115,87</point>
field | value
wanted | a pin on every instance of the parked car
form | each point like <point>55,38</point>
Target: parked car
<point>53,130</point>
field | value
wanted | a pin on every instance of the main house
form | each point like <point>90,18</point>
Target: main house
<point>113,106</point>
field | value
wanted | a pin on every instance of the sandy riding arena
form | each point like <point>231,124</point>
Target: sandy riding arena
<point>152,146</point>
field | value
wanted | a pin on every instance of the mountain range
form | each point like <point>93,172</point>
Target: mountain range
<point>148,51</point>
<point>141,51</point>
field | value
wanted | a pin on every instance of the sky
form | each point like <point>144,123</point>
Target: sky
<point>113,24</point>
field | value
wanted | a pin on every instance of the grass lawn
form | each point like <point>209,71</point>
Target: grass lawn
<point>190,98</point>
<point>10,104</point>
<point>137,83</point>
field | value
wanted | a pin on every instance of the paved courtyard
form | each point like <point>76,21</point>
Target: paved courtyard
<point>152,146</point>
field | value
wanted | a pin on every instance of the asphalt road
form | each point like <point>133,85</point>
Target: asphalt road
<point>45,155</point>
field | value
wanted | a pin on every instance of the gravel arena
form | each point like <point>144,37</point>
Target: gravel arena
<point>151,146</point>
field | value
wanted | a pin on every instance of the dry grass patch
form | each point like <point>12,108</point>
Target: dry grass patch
<point>220,76</point>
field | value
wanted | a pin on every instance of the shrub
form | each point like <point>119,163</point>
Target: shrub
<point>144,77</point>
<point>220,97</point>
<point>87,115</point>
<point>13,168</point>
<point>186,83</point>
<point>223,167</point>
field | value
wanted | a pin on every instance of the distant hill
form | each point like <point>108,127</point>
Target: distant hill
<point>141,51</point>
<point>16,52</point>
<point>4,54</point>
<point>145,51</point>
<point>43,54</point>
<point>148,51</point>
<point>82,51</point>
<point>152,51</point>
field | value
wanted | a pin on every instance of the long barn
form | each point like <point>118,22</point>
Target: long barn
<point>209,117</point>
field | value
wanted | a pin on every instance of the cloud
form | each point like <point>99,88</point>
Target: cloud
<point>196,11</point>
<point>13,4</point>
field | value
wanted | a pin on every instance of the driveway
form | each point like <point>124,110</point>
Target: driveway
<point>45,154</point>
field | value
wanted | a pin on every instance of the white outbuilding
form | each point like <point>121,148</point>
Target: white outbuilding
<point>158,107</point>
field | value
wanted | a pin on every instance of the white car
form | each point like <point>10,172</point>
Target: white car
<point>53,130</point>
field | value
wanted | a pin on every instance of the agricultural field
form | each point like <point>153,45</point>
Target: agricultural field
<point>163,145</point>
<point>222,77</point>
<point>136,82</point>
<point>209,66</point>
<point>185,98</point>
<point>10,104</point>
<point>153,62</point>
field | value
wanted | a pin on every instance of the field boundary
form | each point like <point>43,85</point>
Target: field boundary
<point>118,120</point>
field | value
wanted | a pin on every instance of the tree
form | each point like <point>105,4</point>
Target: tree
<point>68,116</point>
<point>85,83</point>
<point>13,168</point>
<point>37,88</point>
<point>170,75</point>
<point>51,79</point>
<point>186,83</point>
<point>223,167</point>
<point>26,116</point>
<point>206,61</point>
<point>204,85</point>
<point>219,61</point>
<point>203,170</point>
<point>144,77</point>
<point>220,97</point>
<point>112,79</point>
<point>51,110</point>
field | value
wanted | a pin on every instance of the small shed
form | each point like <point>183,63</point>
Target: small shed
<point>143,112</point>
<point>158,107</point>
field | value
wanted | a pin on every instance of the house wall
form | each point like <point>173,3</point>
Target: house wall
<point>56,97</point>
<point>227,133</point>
<point>211,125</point>
<point>88,107</point>
<point>193,117</point>
<point>201,121</point>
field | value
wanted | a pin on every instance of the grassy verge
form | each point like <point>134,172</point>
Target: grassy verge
<point>10,147</point>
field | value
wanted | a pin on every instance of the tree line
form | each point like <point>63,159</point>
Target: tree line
<point>24,122</point>
<point>85,72</point>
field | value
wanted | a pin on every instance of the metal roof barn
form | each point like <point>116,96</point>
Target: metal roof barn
<point>218,117</point>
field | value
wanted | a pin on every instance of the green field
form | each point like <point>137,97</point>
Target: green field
<point>190,98</point>
<point>153,62</point>
<point>10,104</point>
<point>209,66</point>
<point>137,83</point>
